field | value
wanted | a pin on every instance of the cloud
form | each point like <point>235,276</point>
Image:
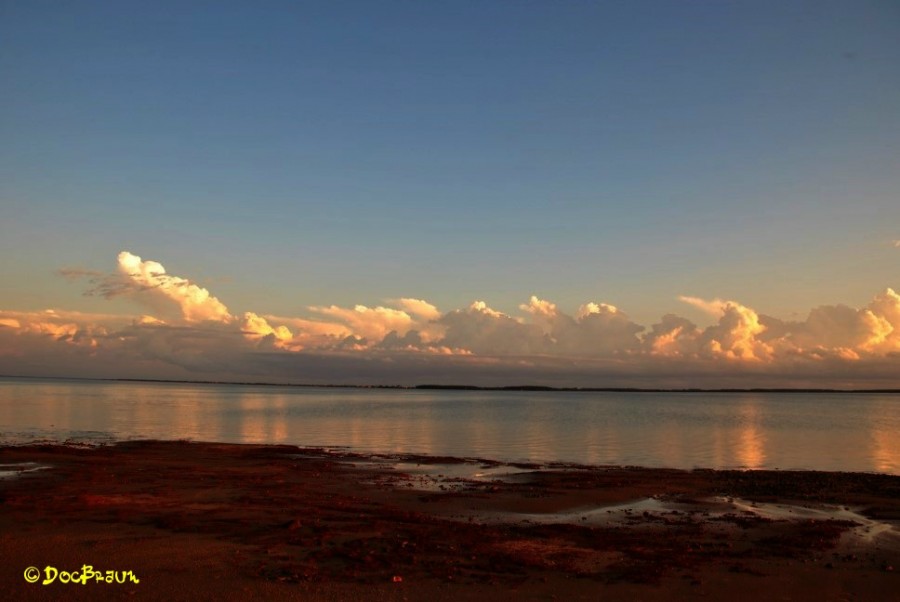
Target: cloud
<point>673,336</point>
<point>186,332</point>
<point>149,278</point>
<point>148,283</point>
<point>419,308</point>
<point>368,322</point>
<point>312,334</point>
<point>714,307</point>
<point>872,330</point>
<point>257,327</point>
<point>736,336</point>
<point>69,327</point>
<point>598,329</point>
<point>828,331</point>
<point>484,331</point>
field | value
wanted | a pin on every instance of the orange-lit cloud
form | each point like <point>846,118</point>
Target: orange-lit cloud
<point>419,308</point>
<point>256,326</point>
<point>189,330</point>
<point>149,278</point>
<point>370,323</point>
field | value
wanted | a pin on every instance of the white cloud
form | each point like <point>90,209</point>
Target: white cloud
<point>736,336</point>
<point>369,323</point>
<point>482,330</point>
<point>149,279</point>
<point>714,307</point>
<point>594,308</point>
<point>419,308</point>
<point>188,330</point>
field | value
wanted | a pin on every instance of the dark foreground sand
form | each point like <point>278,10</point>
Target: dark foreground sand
<point>200,521</point>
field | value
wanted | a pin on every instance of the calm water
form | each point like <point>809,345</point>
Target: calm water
<point>827,431</point>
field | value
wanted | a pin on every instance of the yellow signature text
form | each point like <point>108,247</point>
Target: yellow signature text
<point>87,574</point>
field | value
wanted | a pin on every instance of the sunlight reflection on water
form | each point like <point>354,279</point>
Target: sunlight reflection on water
<point>833,431</point>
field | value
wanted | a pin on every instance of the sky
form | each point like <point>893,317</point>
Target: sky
<point>565,193</point>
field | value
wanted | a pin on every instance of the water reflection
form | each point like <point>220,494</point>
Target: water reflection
<point>751,441</point>
<point>823,431</point>
<point>260,418</point>
<point>885,422</point>
<point>671,448</point>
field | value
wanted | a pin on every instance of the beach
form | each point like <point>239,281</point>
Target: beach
<point>198,521</point>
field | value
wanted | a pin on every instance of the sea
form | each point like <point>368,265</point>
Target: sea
<point>837,431</point>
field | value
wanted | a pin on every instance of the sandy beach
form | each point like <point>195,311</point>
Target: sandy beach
<point>204,521</point>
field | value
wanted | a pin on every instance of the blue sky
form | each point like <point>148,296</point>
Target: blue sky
<point>287,155</point>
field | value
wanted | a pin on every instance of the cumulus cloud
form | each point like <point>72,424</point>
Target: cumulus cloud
<point>368,322</point>
<point>69,327</point>
<point>871,330</point>
<point>312,334</point>
<point>148,283</point>
<point>597,329</point>
<point>150,278</point>
<point>375,323</point>
<point>736,336</point>
<point>485,331</point>
<point>255,326</point>
<point>189,333</point>
<point>673,336</point>
<point>419,308</point>
<point>829,331</point>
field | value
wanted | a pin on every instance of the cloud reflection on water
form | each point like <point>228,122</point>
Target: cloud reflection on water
<point>833,432</point>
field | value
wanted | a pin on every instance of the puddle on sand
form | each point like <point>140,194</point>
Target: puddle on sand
<point>472,471</point>
<point>426,476</point>
<point>456,476</point>
<point>868,529</point>
<point>654,511</point>
<point>11,471</point>
<point>650,512</point>
<point>646,511</point>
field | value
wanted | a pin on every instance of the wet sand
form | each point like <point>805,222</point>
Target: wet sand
<point>202,521</point>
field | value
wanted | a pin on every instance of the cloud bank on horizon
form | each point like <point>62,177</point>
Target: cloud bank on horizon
<point>187,332</point>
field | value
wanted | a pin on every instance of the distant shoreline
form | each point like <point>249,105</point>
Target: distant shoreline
<point>440,387</point>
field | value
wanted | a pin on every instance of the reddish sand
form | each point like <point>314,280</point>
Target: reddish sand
<point>197,521</point>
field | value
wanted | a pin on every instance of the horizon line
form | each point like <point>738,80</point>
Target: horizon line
<point>451,387</point>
